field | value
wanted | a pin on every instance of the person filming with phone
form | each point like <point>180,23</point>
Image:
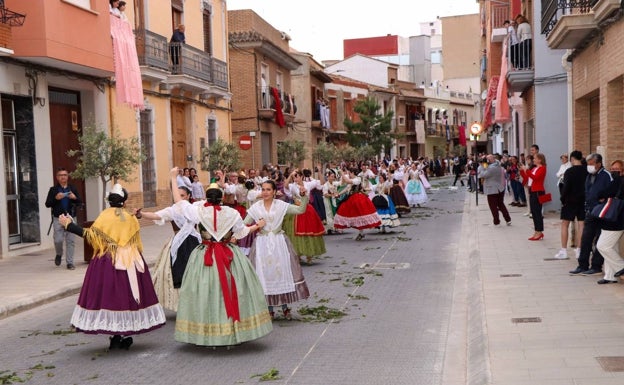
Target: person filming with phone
<point>63,198</point>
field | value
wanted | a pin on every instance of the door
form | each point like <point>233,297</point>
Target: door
<point>11,171</point>
<point>266,148</point>
<point>65,125</point>
<point>178,134</point>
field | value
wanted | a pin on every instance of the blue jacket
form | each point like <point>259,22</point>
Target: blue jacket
<point>599,186</point>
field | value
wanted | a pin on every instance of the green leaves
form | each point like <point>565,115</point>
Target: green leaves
<point>291,152</point>
<point>372,128</point>
<point>221,155</point>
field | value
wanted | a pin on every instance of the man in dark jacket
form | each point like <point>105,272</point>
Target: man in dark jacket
<point>572,203</point>
<point>63,199</point>
<point>599,186</point>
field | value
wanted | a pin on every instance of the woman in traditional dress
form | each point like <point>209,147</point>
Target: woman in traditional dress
<point>357,210</point>
<point>396,190</point>
<point>305,230</point>
<point>117,295</point>
<point>221,299</point>
<point>175,254</point>
<point>330,195</point>
<point>414,190</point>
<point>384,205</point>
<point>272,253</point>
<point>315,190</point>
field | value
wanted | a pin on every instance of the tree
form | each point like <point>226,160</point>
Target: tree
<point>107,157</point>
<point>220,155</point>
<point>373,128</point>
<point>291,152</point>
<point>325,153</point>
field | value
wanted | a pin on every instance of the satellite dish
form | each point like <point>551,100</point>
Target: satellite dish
<point>484,95</point>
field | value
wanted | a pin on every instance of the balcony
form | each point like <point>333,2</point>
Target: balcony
<point>520,69</point>
<point>499,14</point>
<point>567,23</point>
<point>153,53</point>
<point>8,19</point>
<point>267,104</point>
<point>603,9</point>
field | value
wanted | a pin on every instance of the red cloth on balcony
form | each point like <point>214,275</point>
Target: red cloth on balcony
<point>462,135</point>
<point>491,94</point>
<point>128,83</point>
<point>279,115</point>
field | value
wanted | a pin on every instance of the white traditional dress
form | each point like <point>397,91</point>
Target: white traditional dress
<point>174,255</point>
<point>273,255</point>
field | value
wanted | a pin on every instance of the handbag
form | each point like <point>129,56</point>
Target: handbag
<point>608,210</point>
<point>544,198</point>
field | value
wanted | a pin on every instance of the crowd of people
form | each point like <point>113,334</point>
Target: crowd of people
<point>237,248</point>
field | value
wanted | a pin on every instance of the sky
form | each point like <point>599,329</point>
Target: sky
<point>318,27</point>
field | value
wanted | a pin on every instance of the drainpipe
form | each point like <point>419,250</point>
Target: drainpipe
<point>567,65</point>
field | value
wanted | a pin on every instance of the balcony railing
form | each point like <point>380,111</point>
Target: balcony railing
<point>266,102</point>
<point>552,10</point>
<point>187,60</point>
<point>500,13</point>
<point>152,49</point>
<point>520,56</point>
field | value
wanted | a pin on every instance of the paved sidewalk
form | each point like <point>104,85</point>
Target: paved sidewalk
<point>541,325</point>
<point>578,321</point>
<point>30,280</point>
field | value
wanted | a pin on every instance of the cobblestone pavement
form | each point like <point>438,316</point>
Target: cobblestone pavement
<point>398,291</point>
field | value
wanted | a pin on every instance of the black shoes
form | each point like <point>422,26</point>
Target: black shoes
<point>591,272</point>
<point>57,260</point>
<point>619,273</point>
<point>359,237</point>
<point>605,281</point>
<point>120,342</point>
<point>71,266</point>
<point>576,271</point>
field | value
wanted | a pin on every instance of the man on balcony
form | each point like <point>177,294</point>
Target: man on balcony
<point>175,46</point>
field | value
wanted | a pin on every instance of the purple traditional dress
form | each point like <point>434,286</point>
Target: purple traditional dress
<point>117,295</point>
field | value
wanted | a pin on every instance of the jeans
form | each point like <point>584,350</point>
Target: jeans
<point>518,191</point>
<point>60,236</point>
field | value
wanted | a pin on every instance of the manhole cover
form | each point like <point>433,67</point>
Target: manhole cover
<point>510,275</point>
<point>611,364</point>
<point>526,320</point>
<point>390,265</point>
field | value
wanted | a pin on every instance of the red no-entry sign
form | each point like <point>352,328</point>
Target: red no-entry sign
<point>244,142</point>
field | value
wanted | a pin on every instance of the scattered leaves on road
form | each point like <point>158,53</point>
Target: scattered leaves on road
<point>270,375</point>
<point>320,313</point>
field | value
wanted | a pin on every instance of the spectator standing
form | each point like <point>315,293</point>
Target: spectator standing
<point>525,42</point>
<point>494,184</point>
<point>175,44</point>
<point>565,164</point>
<point>197,190</point>
<point>598,187</point>
<point>62,199</point>
<point>572,203</point>
<point>536,177</point>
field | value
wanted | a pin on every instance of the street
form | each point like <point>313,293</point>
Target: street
<point>391,296</point>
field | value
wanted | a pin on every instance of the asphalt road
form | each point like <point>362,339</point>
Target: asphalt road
<point>395,289</point>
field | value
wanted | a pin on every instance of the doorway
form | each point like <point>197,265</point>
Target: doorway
<point>65,126</point>
<point>178,134</point>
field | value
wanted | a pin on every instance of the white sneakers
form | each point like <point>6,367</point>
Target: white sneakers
<point>562,254</point>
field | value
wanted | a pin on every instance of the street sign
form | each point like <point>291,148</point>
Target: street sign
<point>244,142</point>
<point>476,129</point>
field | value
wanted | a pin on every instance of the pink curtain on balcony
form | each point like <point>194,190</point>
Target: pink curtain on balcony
<point>128,84</point>
<point>502,113</point>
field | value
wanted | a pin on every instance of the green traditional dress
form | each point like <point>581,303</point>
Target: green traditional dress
<point>221,299</point>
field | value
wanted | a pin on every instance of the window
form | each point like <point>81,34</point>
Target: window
<point>80,3</point>
<point>211,128</point>
<point>207,18</point>
<point>148,170</point>
<point>401,120</point>
<point>177,10</point>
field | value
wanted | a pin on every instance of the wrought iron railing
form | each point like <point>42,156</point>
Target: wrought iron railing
<point>152,49</point>
<point>187,60</point>
<point>11,18</point>
<point>519,56</point>
<point>552,10</point>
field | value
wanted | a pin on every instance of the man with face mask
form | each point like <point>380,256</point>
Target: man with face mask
<point>599,185</point>
<point>494,184</point>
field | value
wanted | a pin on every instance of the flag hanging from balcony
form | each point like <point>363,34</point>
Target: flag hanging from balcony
<point>502,113</point>
<point>279,115</point>
<point>128,83</point>
<point>487,113</point>
<point>462,135</point>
